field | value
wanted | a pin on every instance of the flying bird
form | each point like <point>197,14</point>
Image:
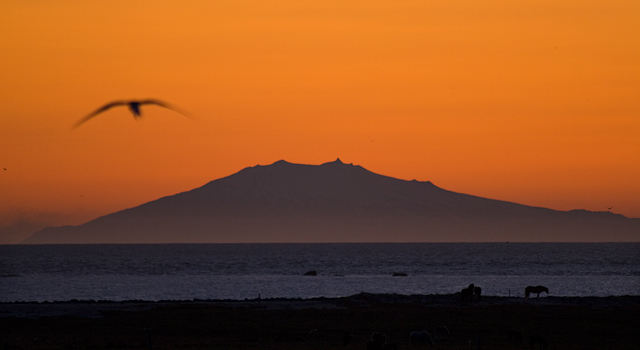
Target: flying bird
<point>134,107</point>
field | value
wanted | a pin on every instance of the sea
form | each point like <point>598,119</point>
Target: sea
<point>157,272</point>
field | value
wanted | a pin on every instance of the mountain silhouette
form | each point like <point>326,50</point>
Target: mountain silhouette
<point>336,202</point>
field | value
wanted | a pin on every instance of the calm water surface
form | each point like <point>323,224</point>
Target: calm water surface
<point>239,271</point>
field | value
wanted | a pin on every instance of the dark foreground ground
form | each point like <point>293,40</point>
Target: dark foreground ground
<point>565,323</point>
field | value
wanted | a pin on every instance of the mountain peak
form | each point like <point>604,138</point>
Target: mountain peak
<point>334,202</point>
<point>336,162</point>
<point>284,162</point>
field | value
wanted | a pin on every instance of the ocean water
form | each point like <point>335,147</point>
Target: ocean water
<point>238,271</point>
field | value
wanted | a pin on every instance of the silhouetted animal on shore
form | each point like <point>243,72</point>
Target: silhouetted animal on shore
<point>514,337</point>
<point>419,339</point>
<point>134,107</point>
<point>466,294</point>
<point>536,289</point>
<point>537,342</point>
<point>478,293</point>
<point>471,293</point>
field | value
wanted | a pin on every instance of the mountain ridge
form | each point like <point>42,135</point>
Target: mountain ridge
<point>334,201</point>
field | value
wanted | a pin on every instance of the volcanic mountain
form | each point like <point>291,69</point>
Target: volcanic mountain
<point>335,202</point>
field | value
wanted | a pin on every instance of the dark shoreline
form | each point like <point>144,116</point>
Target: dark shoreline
<point>320,323</point>
<point>96,308</point>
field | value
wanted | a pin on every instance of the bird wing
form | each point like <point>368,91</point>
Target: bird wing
<point>98,111</point>
<point>163,104</point>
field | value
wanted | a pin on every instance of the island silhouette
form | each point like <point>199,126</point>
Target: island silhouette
<point>336,202</point>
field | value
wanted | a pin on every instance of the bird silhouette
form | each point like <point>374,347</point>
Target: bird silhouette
<point>134,107</point>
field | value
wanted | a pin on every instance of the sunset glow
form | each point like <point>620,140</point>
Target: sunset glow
<point>534,102</point>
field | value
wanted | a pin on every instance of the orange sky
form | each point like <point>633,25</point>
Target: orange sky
<point>535,102</point>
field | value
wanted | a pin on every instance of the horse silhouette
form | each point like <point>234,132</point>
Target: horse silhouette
<point>466,294</point>
<point>536,289</point>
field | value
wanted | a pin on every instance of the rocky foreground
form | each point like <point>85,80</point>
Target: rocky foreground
<point>324,323</point>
